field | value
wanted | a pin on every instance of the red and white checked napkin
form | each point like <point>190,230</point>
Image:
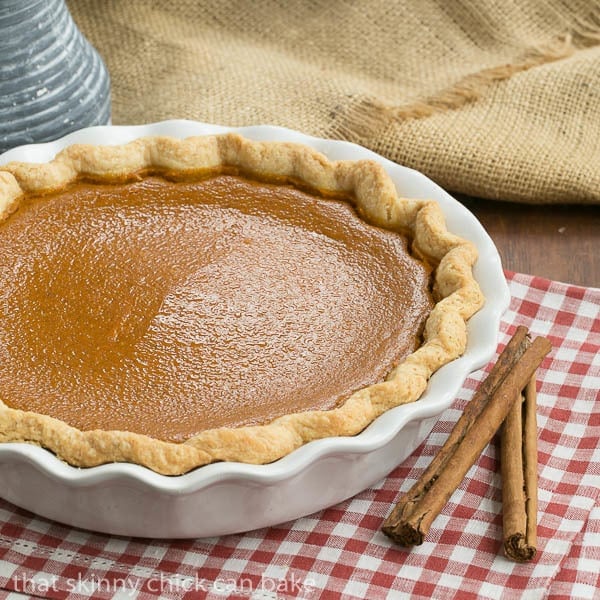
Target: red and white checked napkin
<point>340,552</point>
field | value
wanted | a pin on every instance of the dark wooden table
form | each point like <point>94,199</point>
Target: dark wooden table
<point>554,241</point>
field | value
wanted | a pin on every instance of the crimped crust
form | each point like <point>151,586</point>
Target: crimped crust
<point>376,200</point>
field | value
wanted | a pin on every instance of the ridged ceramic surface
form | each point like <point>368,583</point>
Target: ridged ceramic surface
<point>52,81</point>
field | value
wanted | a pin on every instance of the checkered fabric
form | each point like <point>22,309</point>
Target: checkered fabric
<point>340,552</point>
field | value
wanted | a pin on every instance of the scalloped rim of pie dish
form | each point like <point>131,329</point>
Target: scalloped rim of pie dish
<point>374,194</point>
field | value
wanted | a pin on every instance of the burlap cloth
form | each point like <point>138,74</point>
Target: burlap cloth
<point>498,99</point>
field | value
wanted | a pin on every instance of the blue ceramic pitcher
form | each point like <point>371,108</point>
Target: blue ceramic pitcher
<point>52,81</point>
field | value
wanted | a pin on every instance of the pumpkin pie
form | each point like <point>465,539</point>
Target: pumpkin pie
<point>173,303</point>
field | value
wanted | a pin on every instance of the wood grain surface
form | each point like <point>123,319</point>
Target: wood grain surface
<point>558,242</point>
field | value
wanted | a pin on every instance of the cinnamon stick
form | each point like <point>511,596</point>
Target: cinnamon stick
<point>518,460</point>
<point>411,518</point>
<point>512,352</point>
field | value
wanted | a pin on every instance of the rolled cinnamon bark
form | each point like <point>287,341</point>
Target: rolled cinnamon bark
<point>518,460</point>
<point>512,352</point>
<point>411,519</point>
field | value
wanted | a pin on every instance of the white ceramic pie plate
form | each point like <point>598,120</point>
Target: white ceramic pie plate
<point>226,498</point>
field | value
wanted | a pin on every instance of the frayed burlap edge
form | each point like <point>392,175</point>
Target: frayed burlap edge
<point>368,115</point>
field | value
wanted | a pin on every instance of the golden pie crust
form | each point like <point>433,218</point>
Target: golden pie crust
<point>456,292</point>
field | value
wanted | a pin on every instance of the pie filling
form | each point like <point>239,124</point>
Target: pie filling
<point>167,308</point>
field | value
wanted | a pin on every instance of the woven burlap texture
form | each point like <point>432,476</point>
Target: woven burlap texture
<point>493,99</point>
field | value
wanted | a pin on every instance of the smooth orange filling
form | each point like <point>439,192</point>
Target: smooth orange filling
<point>166,308</point>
